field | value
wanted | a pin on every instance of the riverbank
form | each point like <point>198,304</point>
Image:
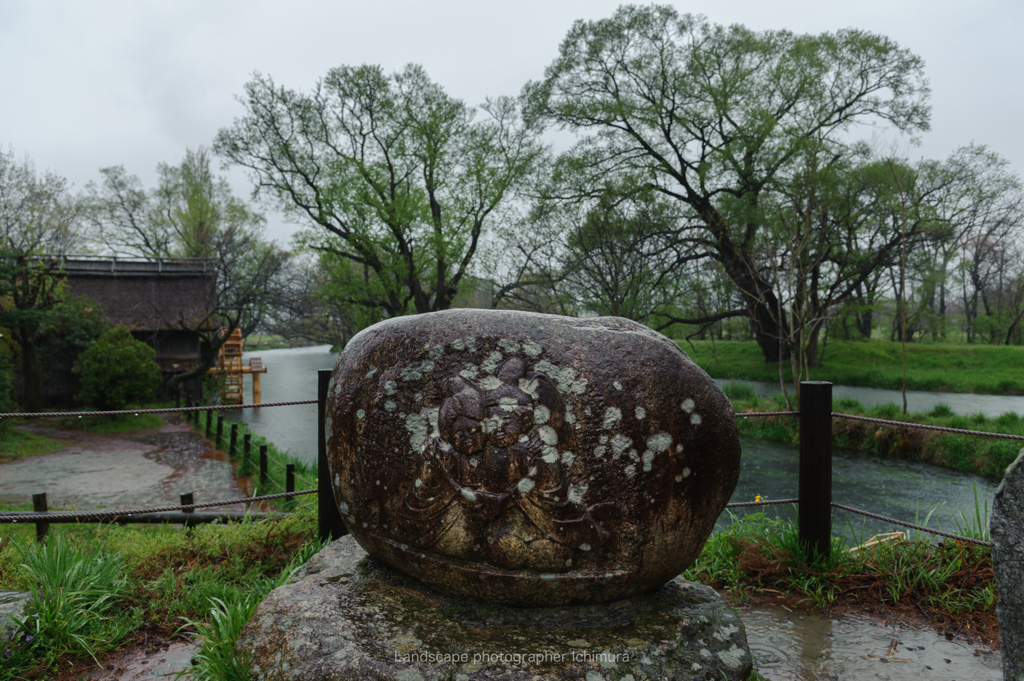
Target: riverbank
<point>989,369</point>
<point>966,453</point>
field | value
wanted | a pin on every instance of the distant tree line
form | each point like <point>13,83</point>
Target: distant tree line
<point>717,186</point>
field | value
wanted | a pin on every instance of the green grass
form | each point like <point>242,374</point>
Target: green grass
<point>989,369</point>
<point>19,444</point>
<point>948,581</point>
<point>257,342</point>
<point>967,453</point>
<point>95,585</point>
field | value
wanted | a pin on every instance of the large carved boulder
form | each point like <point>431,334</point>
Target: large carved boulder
<point>528,459</point>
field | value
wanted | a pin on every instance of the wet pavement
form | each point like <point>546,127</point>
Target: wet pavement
<point>137,469</point>
<point>810,647</point>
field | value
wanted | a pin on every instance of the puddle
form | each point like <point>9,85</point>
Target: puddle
<point>810,647</point>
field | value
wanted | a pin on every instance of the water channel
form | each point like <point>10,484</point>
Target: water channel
<point>788,646</point>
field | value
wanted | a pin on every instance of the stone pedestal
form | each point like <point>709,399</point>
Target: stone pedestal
<point>348,617</point>
<point>1006,527</point>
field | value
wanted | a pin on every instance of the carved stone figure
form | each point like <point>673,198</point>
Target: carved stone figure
<point>528,459</point>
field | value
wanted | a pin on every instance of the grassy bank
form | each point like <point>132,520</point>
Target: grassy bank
<point>967,453</point>
<point>989,369</point>
<point>248,467</point>
<point>950,583</point>
<point>100,588</point>
<point>19,444</point>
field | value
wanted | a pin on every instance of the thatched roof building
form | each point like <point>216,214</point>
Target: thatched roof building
<point>160,301</point>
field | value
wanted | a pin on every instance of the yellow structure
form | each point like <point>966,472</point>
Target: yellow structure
<point>230,365</point>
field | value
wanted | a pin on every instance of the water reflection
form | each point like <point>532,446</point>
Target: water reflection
<point>291,376</point>
<point>808,647</point>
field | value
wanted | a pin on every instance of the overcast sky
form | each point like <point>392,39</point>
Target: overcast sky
<point>88,84</point>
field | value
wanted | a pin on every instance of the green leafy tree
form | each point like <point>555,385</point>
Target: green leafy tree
<point>193,214</point>
<point>716,118</point>
<point>117,370</point>
<point>39,220</point>
<point>74,324</point>
<point>396,181</point>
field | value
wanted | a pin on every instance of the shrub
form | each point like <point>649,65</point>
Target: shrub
<point>7,397</point>
<point>116,370</point>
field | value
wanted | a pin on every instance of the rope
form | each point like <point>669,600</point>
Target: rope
<point>762,503</point>
<point>767,413</point>
<point>43,517</point>
<point>912,526</point>
<point>904,424</point>
<point>136,412</point>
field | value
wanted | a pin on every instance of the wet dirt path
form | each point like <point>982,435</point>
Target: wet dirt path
<point>136,469</point>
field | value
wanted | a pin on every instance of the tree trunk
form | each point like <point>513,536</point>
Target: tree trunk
<point>31,372</point>
<point>767,330</point>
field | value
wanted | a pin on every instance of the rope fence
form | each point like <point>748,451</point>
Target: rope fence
<point>922,426</point>
<point>43,517</point>
<point>79,515</point>
<point>749,414</point>
<point>763,502</point>
<point>970,540</point>
<point>136,412</point>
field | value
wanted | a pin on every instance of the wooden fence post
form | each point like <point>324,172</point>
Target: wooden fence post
<point>815,519</point>
<point>186,499</point>
<point>289,477</point>
<point>233,441</point>
<point>263,464</point>
<point>246,445</point>
<point>329,517</point>
<point>209,424</point>
<point>39,506</point>
<point>220,429</point>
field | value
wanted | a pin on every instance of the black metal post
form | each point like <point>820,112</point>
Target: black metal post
<point>815,521</point>
<point>289,477</point>
<point>220,429</point>
<point>263,464</point>
<point>39,506</point>
<point>209,424</point>
<point>330,522</point>
<point>233,440</point>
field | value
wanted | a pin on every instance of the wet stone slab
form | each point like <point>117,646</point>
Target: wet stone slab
<point>1007,530</point>
<point>528,459</point>
<point>347,617</point>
